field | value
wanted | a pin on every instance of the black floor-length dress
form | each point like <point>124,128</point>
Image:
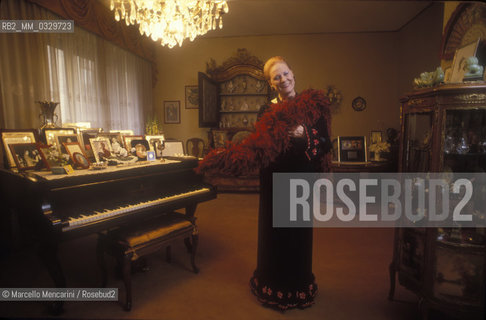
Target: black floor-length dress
<point>283,277</point>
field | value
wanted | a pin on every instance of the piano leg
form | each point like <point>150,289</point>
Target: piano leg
<point>190,210</point>
<point>126,279</point>
<point>100,257</point>
<point>191,244</point>
<point>48,255</point>
<point>195,240</point>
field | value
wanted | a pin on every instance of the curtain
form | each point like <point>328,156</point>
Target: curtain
<point>94,80</point>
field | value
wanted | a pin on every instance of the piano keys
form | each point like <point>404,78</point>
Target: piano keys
<point>61,207</point>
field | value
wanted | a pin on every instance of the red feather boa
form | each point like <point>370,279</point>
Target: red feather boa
<point>271,137</point>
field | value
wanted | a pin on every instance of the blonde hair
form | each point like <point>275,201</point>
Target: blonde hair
<point>270,63</point>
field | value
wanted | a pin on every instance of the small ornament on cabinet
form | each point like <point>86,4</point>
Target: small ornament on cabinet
<point>429,79</point>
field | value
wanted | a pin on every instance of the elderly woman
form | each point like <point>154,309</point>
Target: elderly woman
<point>291,135</point>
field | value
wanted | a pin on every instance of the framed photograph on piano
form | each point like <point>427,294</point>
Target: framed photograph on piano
<point>65,138</point>
<point>77,155</point>
<point>86,134</point>
<point>51,133</point>
<point>101,147</point>
<point>139,148</point>
<point>123,133</point>
<point>49,154</point>
<point>11,136</point>
<point>26,156</point>
<point>156,144</point>
<point>114,137</point>
<point>127,140</point>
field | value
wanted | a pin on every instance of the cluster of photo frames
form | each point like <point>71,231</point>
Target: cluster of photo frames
<point>23,149</point>
<point>354,149</point>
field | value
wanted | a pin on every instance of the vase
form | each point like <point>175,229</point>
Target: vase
<point>376,156</point>
<point>47,116</point>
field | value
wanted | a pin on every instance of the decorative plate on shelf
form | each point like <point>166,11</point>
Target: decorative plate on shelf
<point>358,104</point>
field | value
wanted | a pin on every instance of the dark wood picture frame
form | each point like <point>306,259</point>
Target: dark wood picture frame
<point>22,162</point>
<point>172,112</point>
<point>208,101</point>
<point>44,151</point>
<point>352,149</point>
<point>86,134</point>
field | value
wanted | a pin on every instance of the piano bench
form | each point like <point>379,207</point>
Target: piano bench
<point>134,242</point>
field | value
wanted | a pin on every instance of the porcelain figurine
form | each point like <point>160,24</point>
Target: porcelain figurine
<point>473,70</point>
<point>428,79</point>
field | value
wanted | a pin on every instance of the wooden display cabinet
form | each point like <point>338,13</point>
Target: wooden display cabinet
<point>443,129</point>
<point>230,98</point>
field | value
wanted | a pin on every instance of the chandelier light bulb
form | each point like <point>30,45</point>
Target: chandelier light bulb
<point>171,21</point>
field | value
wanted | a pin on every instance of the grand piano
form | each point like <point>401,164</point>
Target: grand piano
<point>56,208</point>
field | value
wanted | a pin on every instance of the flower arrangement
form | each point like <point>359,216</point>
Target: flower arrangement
<point>153,126</point>
<point>54,155</point>
<point>380,147</point>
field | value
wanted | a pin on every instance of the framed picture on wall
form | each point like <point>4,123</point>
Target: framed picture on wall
<point>172,112</point>
<point>192,97</point>
<point>352,149</point>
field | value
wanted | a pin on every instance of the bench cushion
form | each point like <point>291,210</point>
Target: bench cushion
<point>158,231</point>
<point>152,230</point>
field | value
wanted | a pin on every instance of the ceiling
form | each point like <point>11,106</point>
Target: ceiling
<point>272,17</point>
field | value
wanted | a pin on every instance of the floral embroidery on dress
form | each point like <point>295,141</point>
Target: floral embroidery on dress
<point>282,300</point>
<point>312,143</point>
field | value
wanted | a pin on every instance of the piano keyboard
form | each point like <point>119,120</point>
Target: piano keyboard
<point>78,222</point>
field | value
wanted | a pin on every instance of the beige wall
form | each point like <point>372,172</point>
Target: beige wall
<point>359,64</point>
<point>419,46</point>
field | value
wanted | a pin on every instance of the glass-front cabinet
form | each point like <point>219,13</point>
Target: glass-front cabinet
<point>444,130</point>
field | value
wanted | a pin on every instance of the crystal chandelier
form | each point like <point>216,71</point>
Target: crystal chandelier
<point>171,21</point>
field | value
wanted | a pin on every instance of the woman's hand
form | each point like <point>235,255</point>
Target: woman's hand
<point>297,132</point>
